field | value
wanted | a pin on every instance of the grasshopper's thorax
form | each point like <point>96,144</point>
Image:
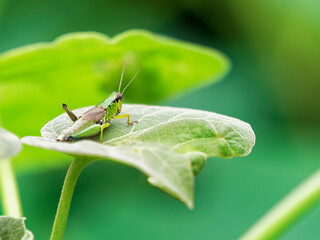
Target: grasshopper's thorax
<point>112,105</point>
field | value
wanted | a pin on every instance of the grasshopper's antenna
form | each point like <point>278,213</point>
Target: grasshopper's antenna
<point>132,79</point>
<point>124,65</point>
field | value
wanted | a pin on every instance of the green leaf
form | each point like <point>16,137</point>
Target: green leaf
<point>9,144</point>
<point>170,145</point>
<point>14,229</point>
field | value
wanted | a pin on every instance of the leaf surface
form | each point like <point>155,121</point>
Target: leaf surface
<point>170,145</point>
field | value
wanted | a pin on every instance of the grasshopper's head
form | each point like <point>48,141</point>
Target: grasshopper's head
<point>119,97</point>
<point>115,99</point>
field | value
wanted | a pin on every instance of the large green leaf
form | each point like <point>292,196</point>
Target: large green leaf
<point>170,145</point>
<point>14,229</point>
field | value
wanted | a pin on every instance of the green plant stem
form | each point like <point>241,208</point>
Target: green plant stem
<point>287,211</point>
<point>11,204</point>
<point>61,218</point>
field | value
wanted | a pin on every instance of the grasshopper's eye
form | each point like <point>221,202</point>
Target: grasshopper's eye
<point>119,96</point>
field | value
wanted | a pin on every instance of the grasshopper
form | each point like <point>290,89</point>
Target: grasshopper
<point>96,119</point>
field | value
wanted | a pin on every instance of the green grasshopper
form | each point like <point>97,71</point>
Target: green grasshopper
<point>96,119</point>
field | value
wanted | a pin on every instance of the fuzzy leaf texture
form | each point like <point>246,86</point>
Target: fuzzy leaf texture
<point>170,145</point>
<point>14,229</point>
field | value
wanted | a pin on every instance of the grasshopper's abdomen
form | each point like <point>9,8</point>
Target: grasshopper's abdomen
<point>76,127</point>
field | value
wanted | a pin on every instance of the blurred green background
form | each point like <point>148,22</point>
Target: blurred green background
<point>274,85</point>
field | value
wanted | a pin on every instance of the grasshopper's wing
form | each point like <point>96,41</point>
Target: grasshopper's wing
<point>94,114</point>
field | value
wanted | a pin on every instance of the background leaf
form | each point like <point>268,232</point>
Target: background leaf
<point>9,144</point>
<point>165,144</point>
<point>13,229</point>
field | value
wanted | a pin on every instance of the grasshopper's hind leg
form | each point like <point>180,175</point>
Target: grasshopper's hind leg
<point>91,131</point>
<point>71,115</point>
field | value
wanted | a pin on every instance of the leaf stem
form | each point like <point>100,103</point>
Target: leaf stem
<point>288,210</point>
<point>9,191</point>
<point>71,178</point>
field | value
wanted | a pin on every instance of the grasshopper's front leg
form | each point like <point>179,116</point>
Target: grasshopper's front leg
<point>125,116</point>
